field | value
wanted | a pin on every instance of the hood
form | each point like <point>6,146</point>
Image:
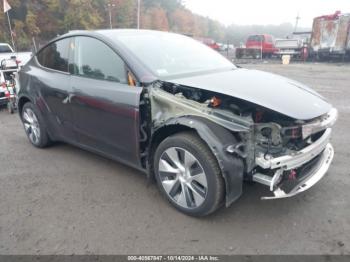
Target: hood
<point>268,90</point>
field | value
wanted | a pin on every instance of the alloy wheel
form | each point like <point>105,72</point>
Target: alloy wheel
<point>31,125</point>
<point>183,177</point>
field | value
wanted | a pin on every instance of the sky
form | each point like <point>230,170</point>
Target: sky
<point>263,12</point>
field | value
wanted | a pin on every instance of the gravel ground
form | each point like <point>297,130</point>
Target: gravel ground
<point>63,200</point>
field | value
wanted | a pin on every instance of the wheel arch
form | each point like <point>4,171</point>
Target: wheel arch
<point>21,102</point>
<point>217,139</point>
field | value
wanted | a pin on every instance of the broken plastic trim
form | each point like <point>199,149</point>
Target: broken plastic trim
<point>238,149</point>
<point>316,175</point>
<point>298,158</point>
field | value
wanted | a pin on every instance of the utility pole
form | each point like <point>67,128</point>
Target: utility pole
<point>138,13</point>
<point>110,6</point>
<point>13,41</point>
<point>296,22</point>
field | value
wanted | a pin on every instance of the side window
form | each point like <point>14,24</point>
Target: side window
<point>55,55</point>
<point>94,59</point>
<point>255,38</point>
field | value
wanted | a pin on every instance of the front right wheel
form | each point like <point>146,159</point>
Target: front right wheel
<point>188,174</point>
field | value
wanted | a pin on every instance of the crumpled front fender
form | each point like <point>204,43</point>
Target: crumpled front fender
<point>218,139</point>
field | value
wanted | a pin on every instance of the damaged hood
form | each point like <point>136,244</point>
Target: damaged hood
<point>268,90</point>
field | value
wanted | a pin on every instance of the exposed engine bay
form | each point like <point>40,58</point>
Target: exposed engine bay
<point>273,134</point>
<point>262,135</point>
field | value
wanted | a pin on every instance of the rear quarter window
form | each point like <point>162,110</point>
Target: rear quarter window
<point>55,55</point>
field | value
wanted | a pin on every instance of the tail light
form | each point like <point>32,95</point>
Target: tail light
<point>7,94</point>
<point>18,62</point>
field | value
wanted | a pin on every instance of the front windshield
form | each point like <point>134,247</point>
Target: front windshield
<point>5,49</point>
<point>168,54</point>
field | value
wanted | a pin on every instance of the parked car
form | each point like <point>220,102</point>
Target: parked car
<point>7,53</point>
<point>5,48</point>
<point>226,47</point>
<point>178,111</point>
<point>257,46</point>
<point>209,42</point>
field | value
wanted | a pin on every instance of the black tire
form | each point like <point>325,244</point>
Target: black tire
<point>215,190</point>
<point>43,139</point>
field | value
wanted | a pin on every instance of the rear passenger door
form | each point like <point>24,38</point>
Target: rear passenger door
<point>52,80</point>
<point>105,107</point>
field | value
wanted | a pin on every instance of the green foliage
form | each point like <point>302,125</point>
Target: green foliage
<point>125,14</point>
<point>32,27</point>
<point>45,19</point>
<point>82,14</point>
<point>22,39</point>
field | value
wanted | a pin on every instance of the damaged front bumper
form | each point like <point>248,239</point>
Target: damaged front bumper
<point>309,179</point>
<point>297,172</point>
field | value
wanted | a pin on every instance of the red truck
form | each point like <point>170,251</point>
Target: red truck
<point>209,42</point>
<point>257,46</point>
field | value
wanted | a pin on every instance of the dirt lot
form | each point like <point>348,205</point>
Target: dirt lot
<point>63,200</point>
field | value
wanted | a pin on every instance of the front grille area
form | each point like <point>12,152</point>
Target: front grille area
<point>317,135</point>
<point>290,181</point>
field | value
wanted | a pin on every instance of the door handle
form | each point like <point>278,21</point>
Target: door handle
<point>68,99</point>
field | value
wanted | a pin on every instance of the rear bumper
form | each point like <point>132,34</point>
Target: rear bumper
<point>311,178</point>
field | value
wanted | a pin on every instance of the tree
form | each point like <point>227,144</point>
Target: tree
<point>125,13</point>
<point>82,14</point>
<point>155,18</point>
<point>45,19</point>
<point>182,21</point>
<point>22,40</point>
<point>31,25</point>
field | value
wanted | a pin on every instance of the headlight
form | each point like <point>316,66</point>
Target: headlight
<point>320,124</point>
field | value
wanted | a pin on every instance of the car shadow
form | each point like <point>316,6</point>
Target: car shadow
<point>249,205</point>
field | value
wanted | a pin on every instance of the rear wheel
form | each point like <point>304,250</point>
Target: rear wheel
<point>34,126</point>
<point>188,174</point>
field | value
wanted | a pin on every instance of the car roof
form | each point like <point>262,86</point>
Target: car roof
<point>112,33</point>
